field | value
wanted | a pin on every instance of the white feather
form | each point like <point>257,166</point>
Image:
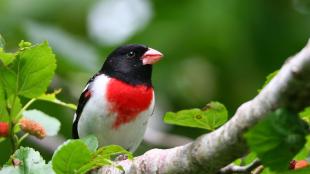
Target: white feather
<point>74,118</point>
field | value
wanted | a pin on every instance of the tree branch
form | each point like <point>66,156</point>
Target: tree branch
<point>211,152</point>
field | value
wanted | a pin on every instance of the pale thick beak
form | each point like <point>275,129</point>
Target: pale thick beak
<point>151,56</point>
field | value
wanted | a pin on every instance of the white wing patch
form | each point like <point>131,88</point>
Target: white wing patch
<point>86,87</point>
<point>74,118</point>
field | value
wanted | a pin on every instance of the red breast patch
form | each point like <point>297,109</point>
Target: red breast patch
<point>127,100</point>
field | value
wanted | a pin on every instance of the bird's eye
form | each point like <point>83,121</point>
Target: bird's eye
<point>131,54</point>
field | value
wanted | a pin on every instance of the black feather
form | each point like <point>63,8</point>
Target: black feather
<point>129,69</point>
<point>82,102</point>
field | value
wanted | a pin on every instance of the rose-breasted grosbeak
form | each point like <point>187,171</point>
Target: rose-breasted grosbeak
<point>118,100</point>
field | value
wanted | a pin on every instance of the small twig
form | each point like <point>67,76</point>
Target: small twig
<point>12,136</point>
<point>15,141</point>
<point>240,169</point>
<point>25,107</point>
<point>22,138</point>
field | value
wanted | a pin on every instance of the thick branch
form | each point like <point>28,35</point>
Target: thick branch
<point>211,152</point>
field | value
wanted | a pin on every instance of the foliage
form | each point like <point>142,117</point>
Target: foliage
<point>70,156</point>
<point>73,156</point>
<point>51,97</point>
<point>211,117</point>
<point>277,139</point>
<point>105,156</point>
<point>30,72</point>
<point>26,73</point>
<point>305,115</point>
<point>27,160</point>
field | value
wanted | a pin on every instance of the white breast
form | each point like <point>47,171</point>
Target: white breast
<point>96,119</point>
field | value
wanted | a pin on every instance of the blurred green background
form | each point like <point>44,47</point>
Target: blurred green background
<point>214,49</point>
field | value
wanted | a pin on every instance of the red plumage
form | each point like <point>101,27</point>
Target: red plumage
<point>127,100</point>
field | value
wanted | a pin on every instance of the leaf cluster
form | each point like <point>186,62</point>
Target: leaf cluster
<point>25,76</point>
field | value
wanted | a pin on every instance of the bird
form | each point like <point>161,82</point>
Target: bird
<point>119,99</point>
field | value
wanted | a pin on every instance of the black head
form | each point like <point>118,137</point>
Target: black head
<point>131,64</point>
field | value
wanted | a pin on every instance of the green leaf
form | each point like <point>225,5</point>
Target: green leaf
<point>10,170</point>
<point>112,151</point>
<point>268,171</point>
<point>305,114</point>
<point>304,152</point>
<point>299,171</point>
<point>31,162</point>
<point>104,156</point>
<point>94,163</point>
<point>249,158</point>
<point>91,142</point>
<point>6,58</point>
<point>8,79</point>
<point>14,104</point>
<point>214,115</point>
<point>50,124</point>
<point>31,72</point>
<point>70,156</point>
<point>268,79</point>
<point>277,139</point>
<point>52,98</point>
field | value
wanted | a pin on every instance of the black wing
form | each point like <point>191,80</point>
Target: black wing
<point>82,102</point>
